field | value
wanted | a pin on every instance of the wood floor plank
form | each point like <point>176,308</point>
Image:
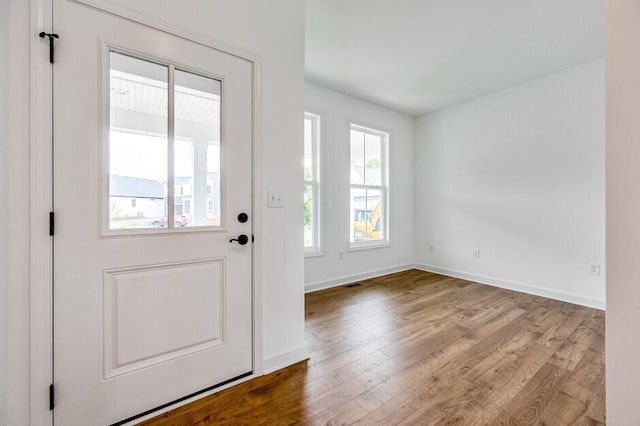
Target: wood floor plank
<point>418,348</point>
<point>558,333</point>
<point>565,410</point>
<point>515,334</point>
<point>530,403</point>
<point>573,349</point>
<point>499,383</point>
<point>345,414</point>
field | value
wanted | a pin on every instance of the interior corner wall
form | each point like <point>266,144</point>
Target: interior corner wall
<point>519,175</point>
<point>337,111</point>
<point>623,210</point>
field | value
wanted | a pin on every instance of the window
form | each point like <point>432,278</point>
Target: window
<point>163,146</point>
<point>369,187</point>
<point>311,183</point>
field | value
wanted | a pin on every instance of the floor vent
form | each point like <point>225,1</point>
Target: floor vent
<point>351,285</point>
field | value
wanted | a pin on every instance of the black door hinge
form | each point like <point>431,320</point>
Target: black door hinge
<point>52,397</point>
<point>52,37</point>
<point>52,223</point>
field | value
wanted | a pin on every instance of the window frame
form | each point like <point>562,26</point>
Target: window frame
<point>105,231</point>
<point>384,241</point>
<point>315,183</point>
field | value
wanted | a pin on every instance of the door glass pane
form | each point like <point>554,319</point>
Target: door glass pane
<point>197,150</point>
<point>137,143</point>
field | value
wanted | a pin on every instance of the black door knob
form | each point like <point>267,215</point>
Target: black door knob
<point>242,239</point>
<point>243,217</point>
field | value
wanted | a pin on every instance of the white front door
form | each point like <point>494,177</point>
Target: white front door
<point>152,172</point>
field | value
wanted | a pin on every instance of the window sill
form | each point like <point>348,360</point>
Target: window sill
<point>313,253</point>
<point>368,246</point>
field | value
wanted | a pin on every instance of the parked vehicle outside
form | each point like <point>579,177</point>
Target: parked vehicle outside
<point>367,228</point>
<point>180,221</point>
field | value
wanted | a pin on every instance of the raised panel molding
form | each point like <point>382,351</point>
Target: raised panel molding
<point>156,313</point>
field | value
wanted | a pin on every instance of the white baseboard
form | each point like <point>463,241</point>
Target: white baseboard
<point>335,282</point>
<point>285,359</point>
<point>509,285</point>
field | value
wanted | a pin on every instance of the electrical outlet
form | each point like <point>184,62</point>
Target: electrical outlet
<point>594,269</point>
<point>340,255</point>
<point>476,253</point>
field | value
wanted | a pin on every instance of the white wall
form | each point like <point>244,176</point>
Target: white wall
<point>518,174</point>
<point>273,30</point>
<point>623,210</point>
<point>337,110</point>
<point>15,203</point>
<point>4,248</point>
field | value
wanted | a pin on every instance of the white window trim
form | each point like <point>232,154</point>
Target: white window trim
<point>172,66</point>
<point>316,186</point>
<point>384,190</point>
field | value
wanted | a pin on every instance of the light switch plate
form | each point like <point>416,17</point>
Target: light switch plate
<point>276,198</point>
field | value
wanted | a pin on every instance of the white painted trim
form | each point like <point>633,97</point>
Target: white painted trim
<point>336,282</point>
<point>385,185</point>
<point>41,258</point>
<point>481,279</point>
<point>510,285</point>
<point>137,16</point>
<point>367,245</point>
<point>258,213</point>
<point>318,251</point>
<point>309,254</point>
<point>285,359</point>
<point>41,254</point>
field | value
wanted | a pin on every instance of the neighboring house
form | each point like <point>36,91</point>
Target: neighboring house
<point>184,196</point>
<point>135,197</point>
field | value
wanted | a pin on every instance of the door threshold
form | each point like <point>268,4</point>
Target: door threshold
<point>157,410</point>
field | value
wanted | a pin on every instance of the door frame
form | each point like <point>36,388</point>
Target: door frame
<point>41,185</point>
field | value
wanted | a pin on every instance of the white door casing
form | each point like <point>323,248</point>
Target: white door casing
<point>142,318</point>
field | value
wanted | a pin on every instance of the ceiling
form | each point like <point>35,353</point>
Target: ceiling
<point>416,56</point>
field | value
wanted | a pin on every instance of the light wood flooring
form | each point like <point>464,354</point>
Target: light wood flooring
<point>415,348</point>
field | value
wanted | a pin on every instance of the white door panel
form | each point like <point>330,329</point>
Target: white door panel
<point>157,306</point>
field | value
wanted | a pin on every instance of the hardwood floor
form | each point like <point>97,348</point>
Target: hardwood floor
<point>415,348</point>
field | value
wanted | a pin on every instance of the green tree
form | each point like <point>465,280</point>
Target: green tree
<point>307,207</point>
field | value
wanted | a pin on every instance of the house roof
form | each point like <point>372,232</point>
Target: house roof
<point>134,187</point>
